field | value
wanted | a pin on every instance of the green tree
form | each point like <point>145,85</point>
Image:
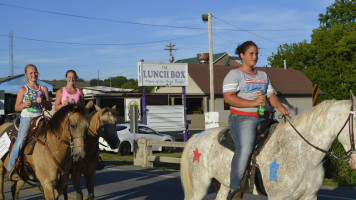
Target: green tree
<point>297,56</point>
<point>335,65</point>
<point>329,59</point>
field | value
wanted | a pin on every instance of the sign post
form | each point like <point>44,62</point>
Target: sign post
<point>163,74</point>
<point>315,94</point>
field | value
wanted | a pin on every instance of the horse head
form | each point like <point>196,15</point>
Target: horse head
<point>107,128</point>
<point>77,127</point>
<point>347,133</point>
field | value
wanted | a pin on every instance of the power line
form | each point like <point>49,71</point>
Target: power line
<point>103,44</point>
<point>137,23</point>
<point>246,30</point>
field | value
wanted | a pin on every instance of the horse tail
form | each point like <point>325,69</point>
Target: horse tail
<point>184,171</point>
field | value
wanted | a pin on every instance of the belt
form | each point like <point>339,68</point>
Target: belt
<point>253,114</point>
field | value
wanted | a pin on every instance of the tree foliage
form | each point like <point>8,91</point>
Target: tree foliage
<point>118,82</point>
<point>297,56</point>
<point>329,59</point>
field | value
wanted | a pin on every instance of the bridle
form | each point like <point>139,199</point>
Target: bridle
<point>98,122</point>
<point>68,145</point>
<point>349,121</point>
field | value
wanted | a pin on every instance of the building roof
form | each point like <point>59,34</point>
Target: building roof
<point>285,81</point>
<point>105,89</point>
<point>194,60</point>
<point>11,84</point>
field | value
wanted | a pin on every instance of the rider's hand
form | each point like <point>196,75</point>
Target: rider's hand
<point>27,103</point>
<point>259,101</point>
<point>283,110</point>
<point>39,100</point>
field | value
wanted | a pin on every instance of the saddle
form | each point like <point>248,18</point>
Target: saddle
<point>36,125</point>
<point>264,131</point>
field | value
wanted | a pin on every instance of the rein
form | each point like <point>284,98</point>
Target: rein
<point>351,136</point>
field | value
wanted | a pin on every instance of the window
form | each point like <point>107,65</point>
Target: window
<point>120,127</point>
<point>157,99</point>
<point>195,106</point>
<point>145,130</point>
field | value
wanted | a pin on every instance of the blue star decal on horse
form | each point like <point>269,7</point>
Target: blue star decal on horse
<point>273,167</point>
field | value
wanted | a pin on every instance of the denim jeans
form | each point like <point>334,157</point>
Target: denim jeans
<point>243,133</point>
<point>20,141</point>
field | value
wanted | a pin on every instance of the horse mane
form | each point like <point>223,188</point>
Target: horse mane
<point>104,110</point>
<point>317,114</point>
<point>54,124</point>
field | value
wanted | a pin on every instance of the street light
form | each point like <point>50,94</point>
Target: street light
<point>207,17</point>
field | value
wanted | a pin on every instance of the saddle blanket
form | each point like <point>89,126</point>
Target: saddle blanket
<point>4,144</point>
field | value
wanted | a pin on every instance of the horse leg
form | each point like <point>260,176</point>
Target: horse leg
<point>222,192</point>
<point>15,188</point>
<point>2,175</point>
<point>90,181</point>
<point>75,175</point>
<point>313,183</point>
<point>200,187</point>
<point>48,191</point>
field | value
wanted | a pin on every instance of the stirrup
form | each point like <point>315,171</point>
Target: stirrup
<point>232,193</point>
<point>101,164</point>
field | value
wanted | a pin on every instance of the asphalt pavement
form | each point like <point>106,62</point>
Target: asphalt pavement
<point>127,182</point>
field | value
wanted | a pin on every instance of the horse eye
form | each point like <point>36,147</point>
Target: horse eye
<point>72,126</point>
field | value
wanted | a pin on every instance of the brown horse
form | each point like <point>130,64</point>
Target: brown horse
<point>60,140</point>
<point>102,123</point>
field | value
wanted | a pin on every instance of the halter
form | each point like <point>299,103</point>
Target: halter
<point>349,121</point>
<point>66,143</point>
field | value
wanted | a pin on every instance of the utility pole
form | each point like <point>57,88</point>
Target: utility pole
<point>211,117</point>
<point>11,53</point>
<point>207,17</point>
<point>170,49</point>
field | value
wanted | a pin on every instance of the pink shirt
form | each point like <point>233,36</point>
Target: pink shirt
<point>72,98</point>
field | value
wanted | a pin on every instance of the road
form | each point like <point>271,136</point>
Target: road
<point>126,182</point>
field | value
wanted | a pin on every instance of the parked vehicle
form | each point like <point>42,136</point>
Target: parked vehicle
<point>127,139</point>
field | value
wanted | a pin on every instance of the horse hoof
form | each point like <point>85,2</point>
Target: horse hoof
<point>79,197</point>
<point>90,197</point>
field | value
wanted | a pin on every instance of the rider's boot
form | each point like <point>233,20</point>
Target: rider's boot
<point>12,175</point>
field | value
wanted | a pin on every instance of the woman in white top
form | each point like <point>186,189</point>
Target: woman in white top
<point>29,99</point>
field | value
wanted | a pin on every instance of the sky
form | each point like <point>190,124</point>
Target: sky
<point>107,38</point>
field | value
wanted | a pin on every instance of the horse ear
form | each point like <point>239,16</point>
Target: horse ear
<point>89,105</point>
<point>97,108</point>
<point>114,107</point>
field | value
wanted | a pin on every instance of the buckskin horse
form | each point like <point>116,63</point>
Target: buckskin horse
<point>290,163</point>
<point>102,123</point>
<point>59,141</point>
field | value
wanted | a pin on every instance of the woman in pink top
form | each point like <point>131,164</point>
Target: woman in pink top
<point>69,94</point>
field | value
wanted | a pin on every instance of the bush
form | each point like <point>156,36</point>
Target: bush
<point>339,170</point>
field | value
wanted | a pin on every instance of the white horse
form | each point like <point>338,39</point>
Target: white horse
<point>290,168</point>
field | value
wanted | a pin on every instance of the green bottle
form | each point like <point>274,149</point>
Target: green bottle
<point>30,108</point>
<point>261,109</point>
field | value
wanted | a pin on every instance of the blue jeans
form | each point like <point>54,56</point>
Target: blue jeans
<point>243,133</point>
<point>20,141</point>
